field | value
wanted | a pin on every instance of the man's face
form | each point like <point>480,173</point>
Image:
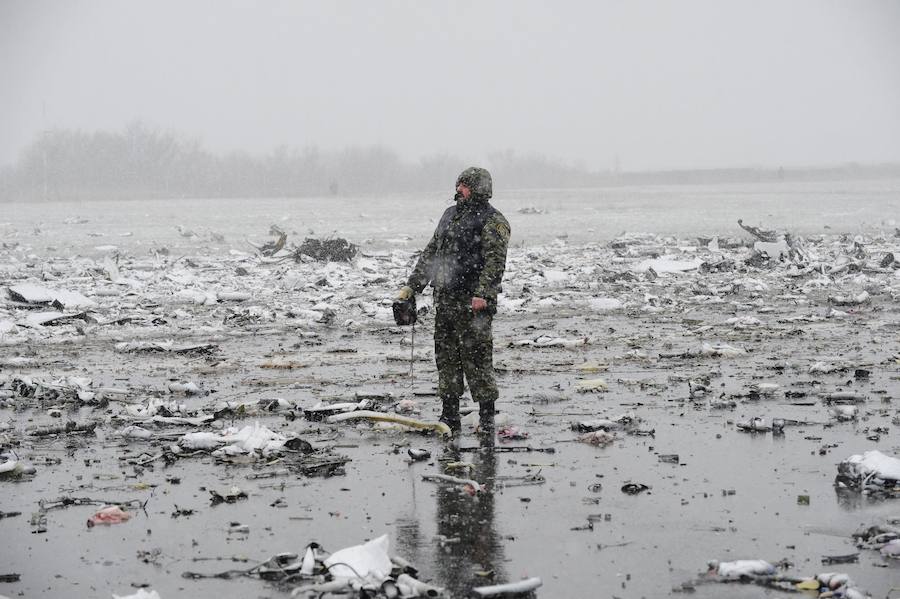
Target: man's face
<point>463,190</point>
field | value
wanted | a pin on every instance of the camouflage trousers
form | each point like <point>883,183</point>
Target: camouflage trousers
<point>463,347</point>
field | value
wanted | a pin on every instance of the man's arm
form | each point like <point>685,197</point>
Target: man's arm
<point>494,241</point>
<point>422,273</point>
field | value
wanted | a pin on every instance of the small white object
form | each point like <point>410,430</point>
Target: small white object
<point>188,388</point>
<point>510,588</point>
<point>668,265</point>
<point>844,412</point>
<point>742,567</point>
<point>592,385</point>
<point>141,594</point>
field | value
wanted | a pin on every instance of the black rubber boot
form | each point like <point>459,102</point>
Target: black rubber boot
<point>486,417</point>
<point>450,415</point>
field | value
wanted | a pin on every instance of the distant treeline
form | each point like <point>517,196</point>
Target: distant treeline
<point>141,162</point>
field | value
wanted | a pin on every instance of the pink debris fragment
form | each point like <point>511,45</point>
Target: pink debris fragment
<point>511,433</point>
<point>111,514</point>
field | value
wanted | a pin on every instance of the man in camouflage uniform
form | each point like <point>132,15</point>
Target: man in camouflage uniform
<point>464,262</point>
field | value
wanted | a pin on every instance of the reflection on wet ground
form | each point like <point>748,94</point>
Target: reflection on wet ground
<point>471,550</point>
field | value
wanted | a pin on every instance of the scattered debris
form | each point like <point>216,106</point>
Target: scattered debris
<point>160,376</point>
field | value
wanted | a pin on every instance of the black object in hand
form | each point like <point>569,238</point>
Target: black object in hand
<point>405,311</point>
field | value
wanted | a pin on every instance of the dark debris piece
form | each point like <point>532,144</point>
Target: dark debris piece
<point>178,512</point>
<point>216,498</point>
<point>850,558</point>
<point>334,249</point>
<point>298,444</point>
<point>273,247</point>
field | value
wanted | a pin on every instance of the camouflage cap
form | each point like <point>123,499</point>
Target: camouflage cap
<point>478,180</point>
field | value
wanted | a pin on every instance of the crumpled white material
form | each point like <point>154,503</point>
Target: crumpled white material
<point>369,560</point>
<point>743,567</point>
<point>234,441</point>
<point>875,465</point>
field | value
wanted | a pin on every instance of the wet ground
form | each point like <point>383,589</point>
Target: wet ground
<point>561,516</point>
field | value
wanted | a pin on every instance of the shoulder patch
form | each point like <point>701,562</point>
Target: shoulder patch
<point>499,225</point>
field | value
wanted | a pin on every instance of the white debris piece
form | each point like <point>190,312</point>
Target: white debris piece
<point>844,413</point>
<point>233,296</point>
<point>509,589</point>
<point>72,299</point>
<point>251,438</point>
<point>141,594</point>
<point>32,294</point>
<point>591,386</point>
<point>133,346</point>
<point>35,294</point>
<point>719,350</point>
<point>605,304</point>
<point>507,305</point>
<point>668,265</point>
<point>201,440</point>
<point>154,406</point>
<point>775,250</point>
<point>742,567</point>
<point>824,368</point>
<point>37,319</point>
<point>134,432</point>
<point>234,441</point>
<point>369,561</point>
<point>196,296</point>
<point>186,387</point>
<point>555,277</point>
<point>743,322</point>
<point>871,471</point>
<point>877,463</point>
<point>891,549</point>
<point>765,388</point>
<point>850,300</point>
<point>548,341</point>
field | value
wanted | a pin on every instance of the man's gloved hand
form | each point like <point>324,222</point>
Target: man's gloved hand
<point>405,293</point>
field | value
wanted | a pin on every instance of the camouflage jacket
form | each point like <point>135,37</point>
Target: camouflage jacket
<point>466,256</point>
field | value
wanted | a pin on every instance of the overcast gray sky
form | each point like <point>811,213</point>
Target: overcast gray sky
<point>660,84</point>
